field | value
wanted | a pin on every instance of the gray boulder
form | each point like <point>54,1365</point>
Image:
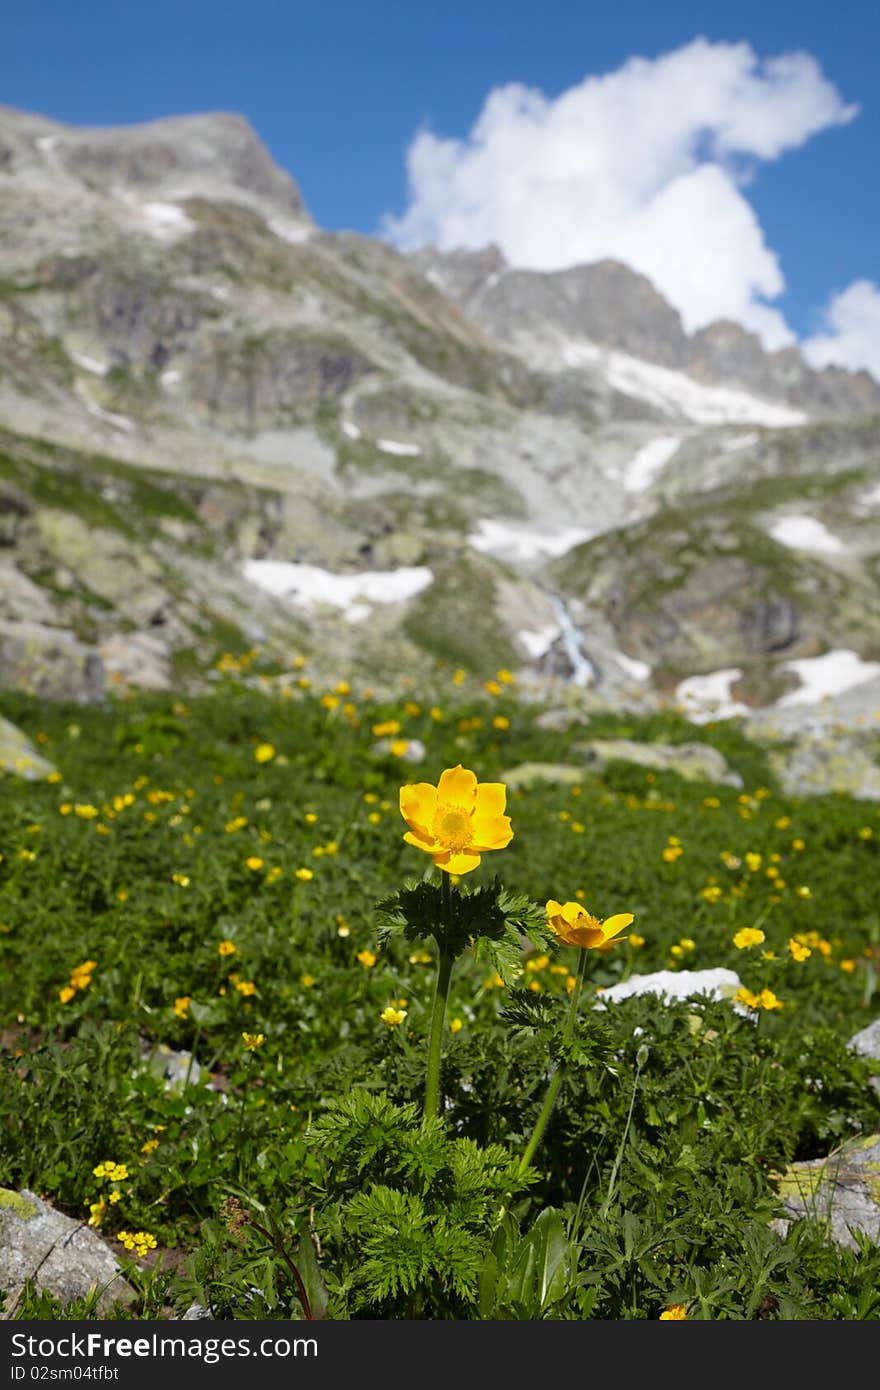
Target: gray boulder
<point>61,1255</point>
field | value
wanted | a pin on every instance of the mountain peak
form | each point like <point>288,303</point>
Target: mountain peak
<point>215,154</point>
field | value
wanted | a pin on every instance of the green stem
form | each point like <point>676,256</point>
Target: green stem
<point>441,992</point>
<point>558,1074</point>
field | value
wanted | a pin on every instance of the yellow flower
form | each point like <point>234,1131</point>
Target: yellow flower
<point>748,936</point>
<point>576,927</point>
<point>149,1146</point>
<point>96,1210</point>
<point>182,880</point>
<point>86,812</point>
<point>392,1017</point>
<point>676,1312</point>
<point>455,1025</point>
<point>226,948</point>
<point>254,863</point>
<point>367,959</point>
<point>769,1000</point>
<point>753,861</point>
<point>457,821</point>
<point>671,853</point>
<point>400,747</point>
<point>798,950</point>
<point>253,1040</point>
<point>181,1005</point>
<point>66,993</point>
<point>264,752</point>
<point>385,727</point>
<point>304,874</point>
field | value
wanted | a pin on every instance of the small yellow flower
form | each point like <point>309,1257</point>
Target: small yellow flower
<point>574,926</point>
<point>181,879</point>
<point>149,1146</point>
<point>226,948</point>
<point>769,1000</point>
<point>264,752</point>
<point>305,874</point>
<point>330,701</point>
<point>635,939</point>
<point>386,727</point>
<point>66,993</point>
<point>748,936</point>
<point>96,1212</point>
<point>254,863</point>
<point>86,812</point>
<point>138,1241</point>
<point>866,832</point>
<point>798,844</point>
<point>457,821</point>
<point>676,1312</point>
<point>455,1025</point>
<point>400,747</point>
<point>367,959</point>
<point>848,966</point>
<point>798,950</point>
<point>253,1040</point>
<point>671,853</point>
<point>245,987</point>
<point>181,1005</point>
<point>753,861</point>
<point>392,1017</point>
<point>307,981</point>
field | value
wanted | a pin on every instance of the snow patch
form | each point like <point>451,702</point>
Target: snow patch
<point>523,543</point>
<point>308,585</point>
<point>89,364</point>
<point>47,143</point>
<point>350,430</point>
<point>537,644</point>
<point>674,985</point>
<point>394,446</point>
<point>644,466</point>
<point>171,377</point>
<point>831,674</point>
<point>119,422</point>
<point>639,670</point>
<point>675,393</point>
<point>708,697</point>
<point>293,232</point>
<point>739,441</point>
<point>164,221</point>
<point>806,533</point>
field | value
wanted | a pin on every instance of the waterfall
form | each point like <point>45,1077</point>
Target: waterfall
<point>584,670</point>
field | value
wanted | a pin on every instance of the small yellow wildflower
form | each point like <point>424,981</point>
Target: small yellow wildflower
<point>798,950</point>
<point>181,879</point>
<point>386,728</point>
<point>66,993</point>
<point>455,1025</point>
<point>227,948</point>
<point>307,981</point>
<point>305,874</point>
<point>392,1017</point>
<point>254,863</point>
<point>181,1005</point>
<point>574,926</point>
<point>150,1146</point>
<point>753,861</point>
<point>366,958</point>
<point>676,1312</point>
<point>85,811</point>
<point>138,1241</point>
<point>866,832</point>
<point>253,1040</point>
<point>847,965</point>
<point>400,747</point>
<point>748,936</point>
<point>671,853</point>
<point>264,752</point>
<point>96,1211</point>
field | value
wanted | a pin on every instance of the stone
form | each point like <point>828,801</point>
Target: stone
<point>696,762</point>
<point>867,1043</point>
<point>49,663</point>
<point>136,659</point>
<point>19,756</point>
<point>58,1253</point>
<point>841,1192</point>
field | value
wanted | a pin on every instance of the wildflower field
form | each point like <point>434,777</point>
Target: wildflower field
<point>304,1028</point>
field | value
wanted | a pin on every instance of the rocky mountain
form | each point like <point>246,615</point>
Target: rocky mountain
<point>222,427</point>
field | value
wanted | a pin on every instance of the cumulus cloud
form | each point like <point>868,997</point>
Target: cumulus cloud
<point>852,331</point>
<point>646,164</point>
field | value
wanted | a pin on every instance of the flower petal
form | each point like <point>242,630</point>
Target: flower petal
<point>418,802</point>
<point>458,863</point>
<point>491,800</point>
<point>425,842</point>
<point>612,925</point>
<point>458,785</point>
<point>491,834</point>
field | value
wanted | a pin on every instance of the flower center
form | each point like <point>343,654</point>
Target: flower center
<point>452,827</point>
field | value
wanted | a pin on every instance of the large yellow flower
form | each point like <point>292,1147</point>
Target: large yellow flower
<point>576,927</point>
<point>458,820</point>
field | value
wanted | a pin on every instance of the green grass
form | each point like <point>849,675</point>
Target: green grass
<point>656,1180</point>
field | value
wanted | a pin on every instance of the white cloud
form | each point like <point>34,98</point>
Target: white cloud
<point>852,337</point>
<point>645,164</point>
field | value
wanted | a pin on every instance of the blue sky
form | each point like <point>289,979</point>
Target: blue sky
<point>341,93</point>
